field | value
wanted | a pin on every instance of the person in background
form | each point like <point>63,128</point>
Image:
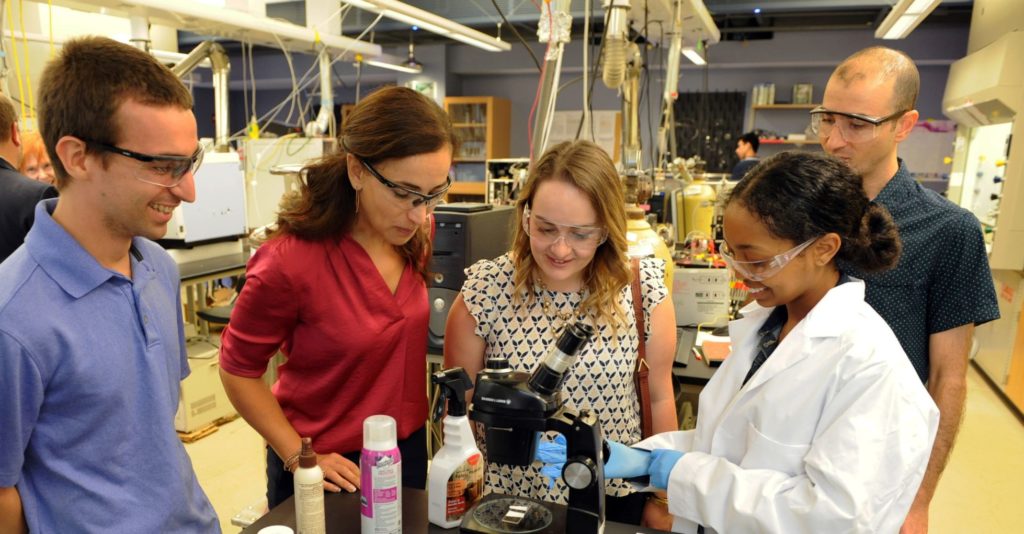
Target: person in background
<point>18,194</point>
<point>568,262</point>
<point>746,150</point>
<point>942,287</point>
<point>92,344</point>
<point>35,162</point>
<point>339,287</point>
<point>816,422</point>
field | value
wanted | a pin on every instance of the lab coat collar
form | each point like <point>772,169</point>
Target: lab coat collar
<point>824,320</point>
<point>827,319</point>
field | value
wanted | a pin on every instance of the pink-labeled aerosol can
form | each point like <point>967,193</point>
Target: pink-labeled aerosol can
<point>380,467</point>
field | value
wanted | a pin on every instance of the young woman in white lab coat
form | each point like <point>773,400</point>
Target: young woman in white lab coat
<point>832,433</point>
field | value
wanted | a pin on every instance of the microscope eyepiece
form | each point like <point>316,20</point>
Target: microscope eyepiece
<point>551,372</point>
<point>574,337</point>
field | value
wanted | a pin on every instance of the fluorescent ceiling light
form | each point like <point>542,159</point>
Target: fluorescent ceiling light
<point>387,61</point>
<point>693,55</point>
<point>904,17</point>
<point>426,20</point>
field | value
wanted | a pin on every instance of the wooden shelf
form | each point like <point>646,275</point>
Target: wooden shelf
<point>467,188</point>
<point>786,106</point>
<point>483,125</point>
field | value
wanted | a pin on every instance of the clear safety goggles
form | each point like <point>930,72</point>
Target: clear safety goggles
<point>762,269</point>
<point>165,171</point>
<point>546,233</point>
<point>854,127</point>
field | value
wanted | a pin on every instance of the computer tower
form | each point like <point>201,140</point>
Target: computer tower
<point>464,234</point>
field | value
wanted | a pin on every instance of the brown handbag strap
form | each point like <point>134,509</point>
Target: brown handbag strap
<point>640,372</point>
<point>638,311</point>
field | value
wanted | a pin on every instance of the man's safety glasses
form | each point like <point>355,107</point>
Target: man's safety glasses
<point>410,198</point>
<point>546,233</point>
<point>854,127</point>
<point>165,171</point>
<point>762,269</point>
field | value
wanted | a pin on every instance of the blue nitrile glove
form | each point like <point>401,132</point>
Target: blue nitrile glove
<point>662,462</point>
<point>625,462</point>
<point>552,454</point>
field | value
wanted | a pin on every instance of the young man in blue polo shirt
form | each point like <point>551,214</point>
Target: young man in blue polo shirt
<point>942,286</point>
<point>91,340</point>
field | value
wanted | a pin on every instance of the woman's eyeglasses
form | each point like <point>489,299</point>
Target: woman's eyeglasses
<point>409,197</point>
<point>546,233</point>
<point>760,270</point>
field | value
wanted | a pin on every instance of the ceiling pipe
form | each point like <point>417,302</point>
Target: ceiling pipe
<point>321,125</point>
<point>221,67</point>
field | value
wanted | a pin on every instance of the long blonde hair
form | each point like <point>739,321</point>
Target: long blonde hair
<point>587,167</point>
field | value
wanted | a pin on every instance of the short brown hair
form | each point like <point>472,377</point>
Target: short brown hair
<point>586,166</point>
<point>884,63</point>
<point>8,116</point>
<point>83,87</point>
<point>390,123</point>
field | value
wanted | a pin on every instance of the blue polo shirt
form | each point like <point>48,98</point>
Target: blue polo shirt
<point>91,368</point>
<point>942,280</point>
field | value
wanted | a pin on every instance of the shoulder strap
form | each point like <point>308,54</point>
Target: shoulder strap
<point>643,392</point>
<point>638,311</point>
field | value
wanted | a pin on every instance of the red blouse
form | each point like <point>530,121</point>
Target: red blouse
<point>354,349</point>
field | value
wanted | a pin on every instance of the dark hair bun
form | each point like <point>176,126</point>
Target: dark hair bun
<point>876,247</point>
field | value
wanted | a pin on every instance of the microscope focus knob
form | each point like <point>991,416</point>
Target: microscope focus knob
<point>579,473</point>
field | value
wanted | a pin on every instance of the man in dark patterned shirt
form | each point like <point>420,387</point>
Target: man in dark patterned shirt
<point>942,286</point>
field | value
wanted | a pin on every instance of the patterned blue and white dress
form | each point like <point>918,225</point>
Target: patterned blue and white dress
<point>602,379</point>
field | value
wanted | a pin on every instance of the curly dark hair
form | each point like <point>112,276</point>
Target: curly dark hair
<point>800,196</point>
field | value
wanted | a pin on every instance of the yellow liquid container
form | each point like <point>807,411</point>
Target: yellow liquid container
<point>697,204</point>
<point>644,241</point>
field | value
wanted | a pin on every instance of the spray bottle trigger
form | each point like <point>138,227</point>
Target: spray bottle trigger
<point>440,400</point>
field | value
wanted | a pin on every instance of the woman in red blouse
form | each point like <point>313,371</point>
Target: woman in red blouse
<point>339,287</point>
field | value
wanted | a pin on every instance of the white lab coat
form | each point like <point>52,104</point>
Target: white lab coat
<point>832,434</point>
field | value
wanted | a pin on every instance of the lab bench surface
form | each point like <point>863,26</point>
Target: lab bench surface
<point>342,515</point>
<point>206,268</point>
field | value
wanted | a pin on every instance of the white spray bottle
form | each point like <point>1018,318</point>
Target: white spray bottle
<point>309,492</point>
<point>456,479</point>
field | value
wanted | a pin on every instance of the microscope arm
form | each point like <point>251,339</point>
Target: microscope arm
<point>584,468</point>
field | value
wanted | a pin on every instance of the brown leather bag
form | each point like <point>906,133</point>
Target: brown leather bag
<point>643,389</point>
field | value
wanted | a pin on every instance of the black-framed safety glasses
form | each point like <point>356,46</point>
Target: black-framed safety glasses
<point>165,171</point>
<point>407,195</point>
<point>854,127</point>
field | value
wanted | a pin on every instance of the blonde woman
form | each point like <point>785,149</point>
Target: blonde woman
<point>568,262</point>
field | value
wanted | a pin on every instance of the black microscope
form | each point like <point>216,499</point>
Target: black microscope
<point>515,408</point>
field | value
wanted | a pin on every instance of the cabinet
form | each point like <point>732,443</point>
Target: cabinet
<point>482,126</point>
<point>782,120</point>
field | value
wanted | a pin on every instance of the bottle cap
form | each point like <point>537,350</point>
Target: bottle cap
<point>307,458</point>
<point>379,433</point>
